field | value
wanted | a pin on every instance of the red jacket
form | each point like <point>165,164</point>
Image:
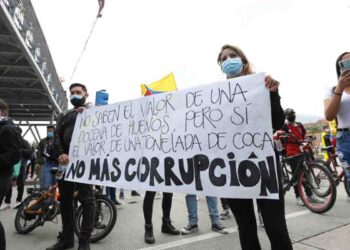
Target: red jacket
<point>298,130</point>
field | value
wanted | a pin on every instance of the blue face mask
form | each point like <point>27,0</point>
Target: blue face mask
<point>232,66</point>
<point>49,134</point>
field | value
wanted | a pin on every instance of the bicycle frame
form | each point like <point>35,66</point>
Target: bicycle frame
<point>301,164</point>
<point>332,163</point>
<point>36,207</point>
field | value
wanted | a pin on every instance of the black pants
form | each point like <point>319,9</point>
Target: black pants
<point>2,238</point>
<point>273,215</point>
<point>87,199</point>
<point>5,183</point>
<point>294,162</point>
<point>224,203</point>
<point>148,205</point>
<point>20,187</point>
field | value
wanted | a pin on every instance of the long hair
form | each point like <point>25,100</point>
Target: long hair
<point>247,69</point>
<point>337,66</point>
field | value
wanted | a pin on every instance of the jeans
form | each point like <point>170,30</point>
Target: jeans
<point>47,179</point>
<point>212,202</point>
<point>343,144</point>
<point>110,191</point>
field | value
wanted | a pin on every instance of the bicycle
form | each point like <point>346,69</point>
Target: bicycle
<point>332,165</point>
<point>307,176</point>
<point>41,206</point>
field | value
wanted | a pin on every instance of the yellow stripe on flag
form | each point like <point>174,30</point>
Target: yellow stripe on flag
<point>165,84</point>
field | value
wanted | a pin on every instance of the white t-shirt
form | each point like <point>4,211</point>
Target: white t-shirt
<point>344,111</point>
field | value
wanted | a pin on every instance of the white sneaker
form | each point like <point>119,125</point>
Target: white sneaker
<point>5,206</point>
<point>315,199</point>
<point>219,228</point>
<point>300,202</point>
<point>189,229</point>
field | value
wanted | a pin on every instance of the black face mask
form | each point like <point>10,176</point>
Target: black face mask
<point>291,118</point>
<point>77,102</point>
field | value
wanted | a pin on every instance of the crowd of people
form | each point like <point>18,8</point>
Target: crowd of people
<point>17,158</point>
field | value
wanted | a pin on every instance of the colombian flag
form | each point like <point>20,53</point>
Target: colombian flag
<point>166,84</point>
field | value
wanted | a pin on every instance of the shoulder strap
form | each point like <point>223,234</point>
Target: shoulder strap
<point>336,119</point>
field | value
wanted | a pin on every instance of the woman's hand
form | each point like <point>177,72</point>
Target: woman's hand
<point>344,81</point>
<point>271,84</point>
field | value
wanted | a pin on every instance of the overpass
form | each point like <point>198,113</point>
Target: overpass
<point>28,79</point>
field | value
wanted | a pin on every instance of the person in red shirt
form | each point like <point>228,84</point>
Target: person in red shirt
<point>293,151</point>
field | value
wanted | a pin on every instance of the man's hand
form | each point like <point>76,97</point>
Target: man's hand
<point>80,109</point>
<point>63,159</point>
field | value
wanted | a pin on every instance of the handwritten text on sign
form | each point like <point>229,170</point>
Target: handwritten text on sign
<point>214,139</point>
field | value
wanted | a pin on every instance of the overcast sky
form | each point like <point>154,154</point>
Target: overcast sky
<point>139,41</point>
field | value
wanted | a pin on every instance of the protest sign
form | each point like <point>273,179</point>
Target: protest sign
<point>214,139</point>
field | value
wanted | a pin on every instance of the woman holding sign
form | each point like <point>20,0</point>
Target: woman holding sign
<point>234,63</point>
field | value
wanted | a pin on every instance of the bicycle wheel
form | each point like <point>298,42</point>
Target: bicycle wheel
<point>105,219</point>
<point>347,185</point>
<point>328,166</point>
<point>315,180</point>
<point>25,222</point>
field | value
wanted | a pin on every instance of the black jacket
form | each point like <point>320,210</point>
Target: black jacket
<point>46,150</point>
<point>277,112</point>
<point>10,147</point>
<point>64,132</point>
<point>26,150</point>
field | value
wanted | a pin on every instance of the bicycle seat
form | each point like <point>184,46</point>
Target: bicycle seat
<point>54,170</point>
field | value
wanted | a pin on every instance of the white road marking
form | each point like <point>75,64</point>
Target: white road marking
<point>207,236</point>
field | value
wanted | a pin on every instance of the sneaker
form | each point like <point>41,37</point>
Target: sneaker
<point>118,203</point>
<point>5,206</point>
<point>219,228</point>
<point>158,196</point>
<point>134,193</point>
<point>225,215</point>
<point>315,199</point>
<point>189,229</point>
<point>121,195</point>
<point>300,202</point>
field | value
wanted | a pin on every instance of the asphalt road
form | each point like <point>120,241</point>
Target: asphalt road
<point>307,230</point>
